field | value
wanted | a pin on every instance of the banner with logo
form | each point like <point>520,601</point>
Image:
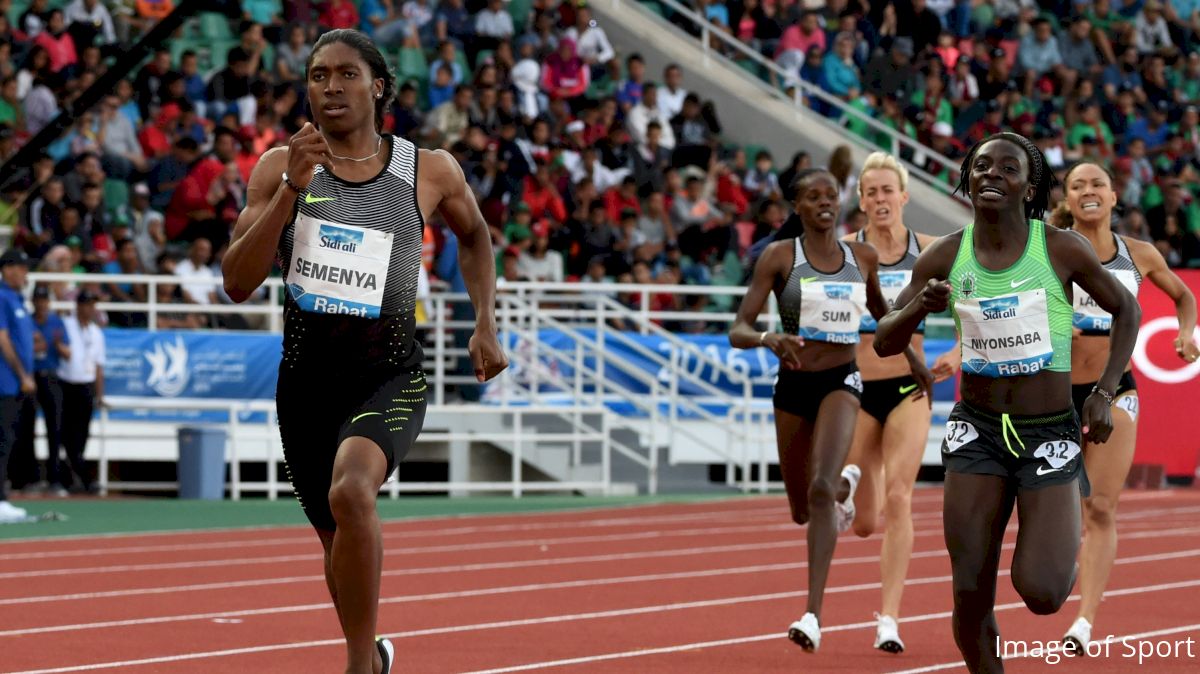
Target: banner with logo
<point>632,351</point>
<point>1168,388</point>
<point>186,364</point>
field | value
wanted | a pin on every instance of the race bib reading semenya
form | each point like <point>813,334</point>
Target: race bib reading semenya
<point>831,311</point>
<point>1005,336</point>
<point>1087,315</point>
<point>338,269</point>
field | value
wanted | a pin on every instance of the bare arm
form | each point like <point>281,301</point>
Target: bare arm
<point>868,264</point>
<point>475,253</point>
<point>743,334</point>
<point>10,355</point>
<point>269,204</point>
<point>1147,258</point>
<point>1084,268</point>
<point>476,257</point>
<point>924,295</point>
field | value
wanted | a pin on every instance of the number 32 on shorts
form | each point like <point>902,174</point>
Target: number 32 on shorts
<point>1058,453</point>
<point>959,433</point>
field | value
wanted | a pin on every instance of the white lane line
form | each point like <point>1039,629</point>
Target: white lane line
<point>484,566</point>
<point>531,587</point>
<point>715,515</point>
<point>421,550</point>
<point>781,635</point>
<point>587,616</point>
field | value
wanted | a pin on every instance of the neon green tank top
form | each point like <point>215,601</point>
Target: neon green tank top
<point>1014,322</point>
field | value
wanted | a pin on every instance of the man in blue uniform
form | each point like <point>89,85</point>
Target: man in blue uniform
<point>16,366</point>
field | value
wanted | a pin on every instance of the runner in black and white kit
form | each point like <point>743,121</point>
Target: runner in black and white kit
<point>343,208</point>
<point>819,385</point>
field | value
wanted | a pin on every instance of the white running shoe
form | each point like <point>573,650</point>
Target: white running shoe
<point>387,653</point>
<point>11,513</point>
<point>1079,636</point>
<point>845,509</point>
<point>887,635</point>
<point>806,633</point>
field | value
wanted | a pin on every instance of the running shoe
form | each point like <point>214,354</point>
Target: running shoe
<point>11,513</point>
<point>806,633</point>
<point>845,509</point>
<point>887,635</point>
<point>1079,636</point>
<point>387,652</point>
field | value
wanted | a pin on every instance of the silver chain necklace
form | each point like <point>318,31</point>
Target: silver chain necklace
<point>378,146</point>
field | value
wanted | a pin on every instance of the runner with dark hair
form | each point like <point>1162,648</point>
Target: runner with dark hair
<point>343,208</point>
<point>1014,438</point>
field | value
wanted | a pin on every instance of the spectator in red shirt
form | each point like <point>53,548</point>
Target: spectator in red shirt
<point>339,14</point>
<point>617,199</point>
<point>57,42</point>
<point>542,197</point>
<point>190,215</point>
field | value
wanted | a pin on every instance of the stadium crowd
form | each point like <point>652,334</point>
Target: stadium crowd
<point>586,165</point>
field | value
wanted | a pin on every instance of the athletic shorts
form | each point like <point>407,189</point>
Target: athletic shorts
<point>881,396</point>
<point>316,414</point>
<point>1080,393</point>
<point>1036,451</point>
<point>800,393</point>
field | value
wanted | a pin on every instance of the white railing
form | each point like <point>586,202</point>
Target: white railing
<point>809,90</point>
<point>268,450</point>
<point>528,313</point>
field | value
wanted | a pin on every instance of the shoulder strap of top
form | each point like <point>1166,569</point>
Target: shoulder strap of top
<point>1122,247</point>
<point>861,237</point>
<point>848,254</point>
<point>798,256</point>
<point>914,244</point>
<point>403,163</point>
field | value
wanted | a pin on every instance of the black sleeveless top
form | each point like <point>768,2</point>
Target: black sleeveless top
<point>351,257</point>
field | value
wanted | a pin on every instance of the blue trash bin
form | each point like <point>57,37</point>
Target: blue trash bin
<point>201,466</point>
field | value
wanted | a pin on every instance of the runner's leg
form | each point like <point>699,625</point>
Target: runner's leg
<point>904,439</point>
<point>866,452</point>
<point>832,434</point>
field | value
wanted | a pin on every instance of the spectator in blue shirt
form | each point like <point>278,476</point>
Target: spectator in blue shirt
<point>16,367</point>
<point>50,344</point>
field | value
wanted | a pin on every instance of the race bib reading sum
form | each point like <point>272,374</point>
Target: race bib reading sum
<point>338,269</point>
<point>1005,336</point>
<point>831,311</point>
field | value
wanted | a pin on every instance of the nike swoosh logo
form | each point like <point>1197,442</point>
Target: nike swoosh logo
<point>310,199</point>
<point>1017,284</point>
<point>1042,470</point>
<point>365,414</point>
<point>905,390</point>
<point>807,280</point>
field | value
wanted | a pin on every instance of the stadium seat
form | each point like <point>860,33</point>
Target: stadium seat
<point>412,65</point>
<point>215,26</point>
<point>116,193</point>
<point>519,11</point>
<point>483,56</point>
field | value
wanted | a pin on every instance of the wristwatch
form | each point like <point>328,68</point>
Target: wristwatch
<point>288,181</point>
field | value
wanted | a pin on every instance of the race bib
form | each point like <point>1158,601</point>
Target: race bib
<point>1087,315</point>
<point>958,433</point>
<point>832,311</point>
<point>1058,453</point>
<point>891,283</point>
<point>1129,403</point>
<point>338,269</point>
<point>1005,336</point>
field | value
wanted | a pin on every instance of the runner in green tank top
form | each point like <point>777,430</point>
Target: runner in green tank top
<point>1014,438</point>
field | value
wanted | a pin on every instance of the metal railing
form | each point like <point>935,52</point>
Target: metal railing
<point>809,90</point>
<point>521,437</point>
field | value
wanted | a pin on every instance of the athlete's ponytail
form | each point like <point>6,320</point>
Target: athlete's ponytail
<point>1061,216</point>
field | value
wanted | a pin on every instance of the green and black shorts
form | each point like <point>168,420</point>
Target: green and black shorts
<point>1035,451</point>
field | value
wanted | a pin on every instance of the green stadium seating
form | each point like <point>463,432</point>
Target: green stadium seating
<point>519,11</point>
<point>116,193</point>
<point>215,26</point>
<point>412,65</point>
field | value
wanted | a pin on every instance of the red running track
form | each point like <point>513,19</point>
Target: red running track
<point>704,587</point>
